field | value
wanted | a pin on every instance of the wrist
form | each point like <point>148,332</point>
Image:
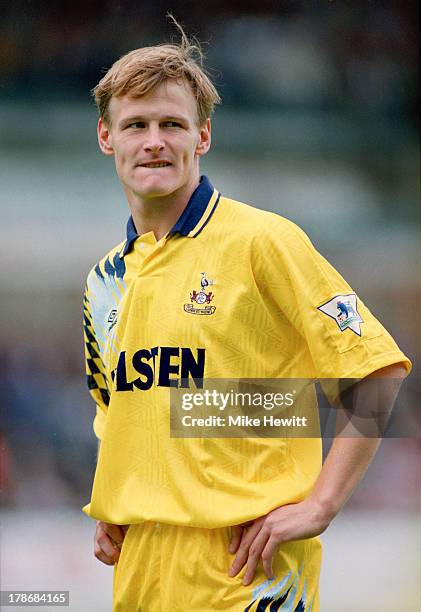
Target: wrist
<point>325,508</point>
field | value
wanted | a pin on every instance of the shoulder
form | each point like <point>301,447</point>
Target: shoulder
<point>109,265</point>
<point>261,227</point>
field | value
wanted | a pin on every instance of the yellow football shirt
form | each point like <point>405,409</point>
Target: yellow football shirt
<point>230,292</point>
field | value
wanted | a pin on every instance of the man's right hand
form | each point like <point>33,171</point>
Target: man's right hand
<point>107,542</point>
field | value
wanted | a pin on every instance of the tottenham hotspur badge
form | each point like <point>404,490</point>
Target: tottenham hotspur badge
<point>201,298</point>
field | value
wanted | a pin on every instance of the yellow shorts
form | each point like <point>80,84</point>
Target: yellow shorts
<point>185,569</point>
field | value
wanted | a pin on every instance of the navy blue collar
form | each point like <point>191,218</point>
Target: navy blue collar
<point>188,219</point>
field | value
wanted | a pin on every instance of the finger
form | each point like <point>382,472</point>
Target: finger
<point>247,524</point>
<point>115,532</point>
<point>267,556</point>
<point>255,553</point>
<point>108,547</point>
<point>101,556</point>
<point>243,549</point>
<point>236,534</point>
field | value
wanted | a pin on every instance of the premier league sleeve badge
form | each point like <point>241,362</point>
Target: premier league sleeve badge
<point>343,309</point>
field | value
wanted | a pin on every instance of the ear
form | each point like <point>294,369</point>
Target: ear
<point>104,138</point>
<point>204,138</point>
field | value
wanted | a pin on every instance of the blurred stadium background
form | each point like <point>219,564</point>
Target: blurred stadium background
<point>319,123</point>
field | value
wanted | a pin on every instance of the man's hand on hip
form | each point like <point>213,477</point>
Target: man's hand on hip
<point>107,542</point>
<point>260,538</point>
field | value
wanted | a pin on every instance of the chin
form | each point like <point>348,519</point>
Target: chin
<point>154,191</point>
<point>154,187</point>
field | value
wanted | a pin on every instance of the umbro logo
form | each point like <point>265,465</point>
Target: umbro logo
<point>112,319</point>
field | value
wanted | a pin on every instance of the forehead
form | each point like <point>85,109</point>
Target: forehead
<point>170,98</point>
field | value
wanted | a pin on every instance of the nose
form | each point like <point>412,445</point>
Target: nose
<point>153,142</point>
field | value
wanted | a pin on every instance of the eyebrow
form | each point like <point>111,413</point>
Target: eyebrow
<point>140,118</point>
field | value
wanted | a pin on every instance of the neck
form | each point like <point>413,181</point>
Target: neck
<point>159,214</point>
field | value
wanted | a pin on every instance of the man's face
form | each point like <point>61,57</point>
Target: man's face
<point>156,140</point>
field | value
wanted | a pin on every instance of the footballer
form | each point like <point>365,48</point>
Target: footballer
<point>204,286</point>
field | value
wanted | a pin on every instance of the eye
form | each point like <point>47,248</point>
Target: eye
<point>172,124</point>
<point>137,125</point>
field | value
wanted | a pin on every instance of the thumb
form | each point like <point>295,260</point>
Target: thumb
<point>236,534</point>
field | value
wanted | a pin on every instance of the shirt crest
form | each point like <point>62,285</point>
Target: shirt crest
<point>201,298</point>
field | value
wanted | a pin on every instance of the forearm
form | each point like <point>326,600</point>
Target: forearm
<point>356,444</point>
<point>343,469</point>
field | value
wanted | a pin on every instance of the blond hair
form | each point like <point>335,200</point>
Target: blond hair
<point>139,71</point>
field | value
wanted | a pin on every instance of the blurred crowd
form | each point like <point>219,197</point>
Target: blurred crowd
<point>360,56</point>
<point>47,446</point>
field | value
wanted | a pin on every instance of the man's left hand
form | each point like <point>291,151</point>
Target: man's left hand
<point>259,539</point>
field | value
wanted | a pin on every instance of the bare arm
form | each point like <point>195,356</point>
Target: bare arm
<point>344,467</point>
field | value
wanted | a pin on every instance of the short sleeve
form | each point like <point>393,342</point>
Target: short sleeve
<point>344,339</point>
<point>95,370</point>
